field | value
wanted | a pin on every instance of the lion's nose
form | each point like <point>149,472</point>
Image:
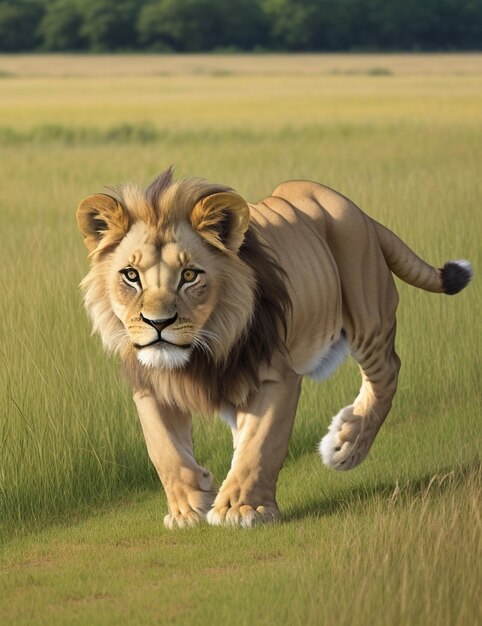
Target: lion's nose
<point>159,325</point>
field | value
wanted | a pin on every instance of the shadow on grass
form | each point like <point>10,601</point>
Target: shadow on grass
<point>11,528</point>
<point>430,484</point>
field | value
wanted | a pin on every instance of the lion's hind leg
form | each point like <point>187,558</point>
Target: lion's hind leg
<point>353,430</point>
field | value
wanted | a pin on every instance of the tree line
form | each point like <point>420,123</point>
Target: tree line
<point>246,25</point>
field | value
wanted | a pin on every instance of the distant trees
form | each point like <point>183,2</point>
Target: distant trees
<point>18,24</point>
<point>181,25</point>
<point>94,25</point>
<point>193,25</point>
<point>204,25</point>
<point>109,24</point>
<point>375,24</point>
<point>61,25</point>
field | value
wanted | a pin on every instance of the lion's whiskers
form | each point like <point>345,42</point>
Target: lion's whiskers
<point>203,339</point>
<point>120,337</point>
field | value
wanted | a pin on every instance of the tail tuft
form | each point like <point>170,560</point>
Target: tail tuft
<point>455,276</point>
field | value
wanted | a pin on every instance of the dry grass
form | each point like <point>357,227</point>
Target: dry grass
<point>64,65</point>
<point>257,93</point>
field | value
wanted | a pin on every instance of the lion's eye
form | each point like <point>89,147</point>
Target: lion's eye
<point>189,275</point>
<point>131,274</point>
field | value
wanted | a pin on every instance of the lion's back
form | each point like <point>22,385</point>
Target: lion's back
<point>295,226</point>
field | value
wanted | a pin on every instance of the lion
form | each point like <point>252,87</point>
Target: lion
<point>219,306</point>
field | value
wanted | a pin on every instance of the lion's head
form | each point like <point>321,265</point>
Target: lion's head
<point>178,276</point>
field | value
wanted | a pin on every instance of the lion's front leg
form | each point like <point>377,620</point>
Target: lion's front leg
<point>248,495</point>
<point>188,486</point>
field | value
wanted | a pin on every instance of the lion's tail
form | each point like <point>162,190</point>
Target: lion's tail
<point>450,279</point>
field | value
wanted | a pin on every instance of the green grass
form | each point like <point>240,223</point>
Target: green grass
<point>357,560</point>
<point>394,541</point>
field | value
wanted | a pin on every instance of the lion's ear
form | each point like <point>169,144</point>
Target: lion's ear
<point>222,219</point>
<point>102,219</point>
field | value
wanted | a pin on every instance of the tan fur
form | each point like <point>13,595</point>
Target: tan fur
<point>283,288</point>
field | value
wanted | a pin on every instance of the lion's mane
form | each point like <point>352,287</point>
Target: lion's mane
<point>228,372</point>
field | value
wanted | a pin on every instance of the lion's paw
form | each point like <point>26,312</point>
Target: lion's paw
<point>243,515</point>
<point>188,507</point>
<point>348,440</point>
<point>182,520</point>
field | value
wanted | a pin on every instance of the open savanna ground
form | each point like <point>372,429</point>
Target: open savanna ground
<point>395,541</point>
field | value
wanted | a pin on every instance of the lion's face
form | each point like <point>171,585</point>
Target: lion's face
<point>166,278</point>
<point>164,295</point>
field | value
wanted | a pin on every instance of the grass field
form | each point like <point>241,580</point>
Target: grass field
<point>395,541</point>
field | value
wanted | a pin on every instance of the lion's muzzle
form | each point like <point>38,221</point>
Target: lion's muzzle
<point>159,325</point>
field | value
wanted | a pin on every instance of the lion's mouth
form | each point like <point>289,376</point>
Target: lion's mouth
<point>160,341</point>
